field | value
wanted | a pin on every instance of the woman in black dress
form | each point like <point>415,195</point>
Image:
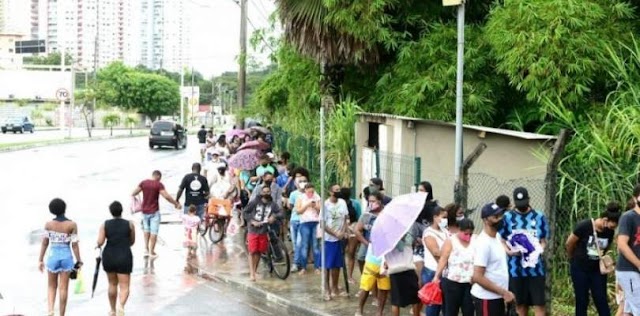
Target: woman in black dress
<point>117,259</point>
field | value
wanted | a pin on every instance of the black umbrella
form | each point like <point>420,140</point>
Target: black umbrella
<point>95,274</point>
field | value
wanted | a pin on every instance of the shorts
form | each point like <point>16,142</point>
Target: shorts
<point>630,283</point>
<point>333,256</point>
<point>371,276</point>
<point>203,146</point>
<point>489,307</point>
<point>151,223</point>
<point>60,258</point>
<point>257,243</point>
<point>199,209</point>
<point>362,252</point>
<point>404,288</point>
<point>529,291</point>
<point>352,230</point>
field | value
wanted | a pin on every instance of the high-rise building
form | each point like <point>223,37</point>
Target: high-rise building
<point>163,34</point>
<point>14,17</point>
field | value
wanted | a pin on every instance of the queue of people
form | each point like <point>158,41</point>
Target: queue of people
<point>498,271</point>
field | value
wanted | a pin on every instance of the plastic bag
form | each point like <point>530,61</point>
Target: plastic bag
<point>136,205</point>
<point>431,294</point>
<point>232,228</point>
<point>80,288</point>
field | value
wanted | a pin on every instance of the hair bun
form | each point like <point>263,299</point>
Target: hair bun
<point>613,207</point>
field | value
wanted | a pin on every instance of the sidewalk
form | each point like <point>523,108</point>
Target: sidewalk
<point>227,262</point>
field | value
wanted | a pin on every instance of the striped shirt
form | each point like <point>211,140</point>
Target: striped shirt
<point>533,222</point>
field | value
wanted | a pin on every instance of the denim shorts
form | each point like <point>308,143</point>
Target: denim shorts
<point>151,223</point>
<point>60,258</point>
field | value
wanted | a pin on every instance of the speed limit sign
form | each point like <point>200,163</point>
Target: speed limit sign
<point>62,94</point>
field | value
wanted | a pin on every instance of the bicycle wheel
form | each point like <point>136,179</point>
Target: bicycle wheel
<point>279,257</point>
<point>216,231</point>
<point>204,226</point>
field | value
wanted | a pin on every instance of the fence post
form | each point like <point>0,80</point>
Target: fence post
<point>417,169</point>
<point>462,192</point>
<point>551,187</point>
<point>354,171</point>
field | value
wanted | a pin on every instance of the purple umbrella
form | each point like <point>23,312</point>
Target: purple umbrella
<point>247,159</point>
<point>254,144</point>
<point>235,132</point>
<point>395,221</point>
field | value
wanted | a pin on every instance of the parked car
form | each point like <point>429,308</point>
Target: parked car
<point>17,124</point>
<point>167,133</point>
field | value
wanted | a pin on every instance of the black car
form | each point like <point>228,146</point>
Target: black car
<point>17,124</point>
<point>167,133</point>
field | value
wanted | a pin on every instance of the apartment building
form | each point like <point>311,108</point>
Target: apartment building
<point>14,17</point>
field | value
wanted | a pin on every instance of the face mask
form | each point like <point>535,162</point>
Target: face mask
<point>221,172</point>
<point>443,223</point>
<point>464,237</point>
<point>266,197</point>
<point>498,225</point>
<point>268,182</point>
<point>459,218</point>
<point>302,184</point>
<point>374,206</point>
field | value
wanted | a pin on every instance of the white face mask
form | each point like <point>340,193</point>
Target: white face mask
<point>443,223</point>
<point>302,184</point>
<point>459,218</point>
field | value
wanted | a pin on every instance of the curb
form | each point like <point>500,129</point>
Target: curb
<point>64,142</point>
<point>294,308</point>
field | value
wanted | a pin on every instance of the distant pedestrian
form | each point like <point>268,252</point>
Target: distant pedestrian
<point>260,212</point>
<point>196,190</point>
<point>527,283</point>
<point>628,265</point>
<point>151,190</point>
<point>433,239</point>
<point>60,238</point>
<point>490,279</point>
<point>202,140</point>
<point>117,259</point>
<point>584,256</point>
<point>335,219</point>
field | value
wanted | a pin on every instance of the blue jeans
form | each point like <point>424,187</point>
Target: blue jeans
<point>589,281</point>
<point>308,238</point>
<point>431,310</point>
<point>199,209</point>
<point>294,228</point>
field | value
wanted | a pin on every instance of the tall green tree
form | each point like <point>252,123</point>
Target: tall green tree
<point>52,59</point>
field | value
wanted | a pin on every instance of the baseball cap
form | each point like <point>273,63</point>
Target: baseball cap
<point>378,182</point>
<point>491,209</point>
<point>520,197</point>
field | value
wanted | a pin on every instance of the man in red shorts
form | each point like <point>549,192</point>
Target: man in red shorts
<point>259,213</point>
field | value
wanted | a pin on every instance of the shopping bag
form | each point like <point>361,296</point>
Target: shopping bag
<point>430,294</point>
<point>80,288</point>
<point>232,228</point>
<point>136,205</point>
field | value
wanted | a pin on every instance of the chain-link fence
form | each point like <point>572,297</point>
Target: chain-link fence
<point>400,173</point>
<point>484,188</point>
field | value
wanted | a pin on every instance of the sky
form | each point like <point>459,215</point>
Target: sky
<point>215,30</point>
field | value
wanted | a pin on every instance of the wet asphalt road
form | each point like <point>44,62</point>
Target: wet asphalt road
<point>88,176</point>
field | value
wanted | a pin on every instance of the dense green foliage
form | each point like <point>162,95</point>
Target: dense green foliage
<point>52,59</point>
<point>531,65</point>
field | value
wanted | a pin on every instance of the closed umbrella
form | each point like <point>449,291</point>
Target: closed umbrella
<point>395,221</point>
<point>261,129</point>
<point>95,273</point>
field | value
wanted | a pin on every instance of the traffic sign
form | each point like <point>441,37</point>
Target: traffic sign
<point>62,94</point>
<point>193,101</point>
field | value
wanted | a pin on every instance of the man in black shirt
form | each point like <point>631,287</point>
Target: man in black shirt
<point>196,189</point>
<point>202,140</point>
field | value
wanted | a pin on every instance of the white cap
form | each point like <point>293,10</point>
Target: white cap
<point>271,156</point>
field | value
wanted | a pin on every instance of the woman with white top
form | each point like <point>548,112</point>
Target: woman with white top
<point>308,206</point>
<point>457,258</point>
<point>433,239</point>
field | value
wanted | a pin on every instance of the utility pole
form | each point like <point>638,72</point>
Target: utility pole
<point>242,74</point>
<point>61,10</point>
<point>192,95</point>
<point>181,96</point>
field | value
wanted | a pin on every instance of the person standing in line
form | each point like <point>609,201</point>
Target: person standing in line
<point>308,207</point>
<point>202,140</point>
<point>60,238</point>
<point>301,178</point>
<point>490,278</point>
<point>628,265</point>
<point>260,212</point>
<point>584,257</point>
<point>527,283</point>
<point>151,190</point>
<point>457,259</point>
<point>196,188</point>
<point>117,259</point>
<point>420,225</point>
<point>336,221</point>
<point>404,280</point>
<point>433,239</point>
<point>377,184</point>
<point>355,211</point>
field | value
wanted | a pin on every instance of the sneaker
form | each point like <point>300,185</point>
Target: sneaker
<point>294,268</point>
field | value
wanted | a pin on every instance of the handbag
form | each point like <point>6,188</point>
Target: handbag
<point>136,205</point>
<point>606,262</point>
<point>431,294</point>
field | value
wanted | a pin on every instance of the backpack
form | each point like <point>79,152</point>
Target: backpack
<point>353,216</point>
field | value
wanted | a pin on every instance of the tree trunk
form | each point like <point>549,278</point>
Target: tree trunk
<point>111,129</point>
<point>130,129</point>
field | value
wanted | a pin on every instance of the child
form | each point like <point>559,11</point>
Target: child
<point>191,222</point>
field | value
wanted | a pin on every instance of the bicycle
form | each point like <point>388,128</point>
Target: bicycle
<point>277,257</point>
<point>215,225</point>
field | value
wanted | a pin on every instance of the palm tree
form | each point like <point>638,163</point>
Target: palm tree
<point>130,121</point>
<point>110,120</point>
<point>308,29</point>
